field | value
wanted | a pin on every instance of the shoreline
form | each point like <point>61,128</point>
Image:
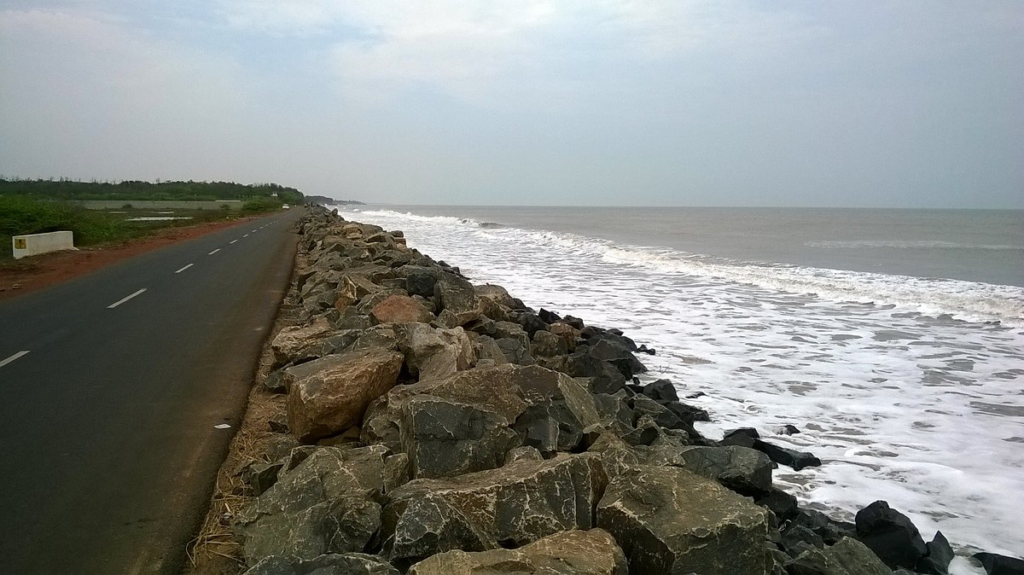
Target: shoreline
<point>341,324</point>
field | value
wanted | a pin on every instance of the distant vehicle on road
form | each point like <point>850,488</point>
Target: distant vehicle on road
<point>286,206</point>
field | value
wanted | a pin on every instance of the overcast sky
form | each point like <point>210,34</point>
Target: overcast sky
<point>592,102</point>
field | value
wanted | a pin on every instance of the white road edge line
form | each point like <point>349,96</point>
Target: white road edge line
<point>232,241</point>
<point>13,357</point>
<point>121,301</point>
<point>213,252</point>
<point>184,268</point>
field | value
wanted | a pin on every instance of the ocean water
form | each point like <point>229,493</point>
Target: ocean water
<point>893,339</point>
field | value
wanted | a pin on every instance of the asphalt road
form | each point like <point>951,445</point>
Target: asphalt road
<point>111,388</point>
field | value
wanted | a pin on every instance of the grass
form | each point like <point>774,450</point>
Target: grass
<point>27,215</point>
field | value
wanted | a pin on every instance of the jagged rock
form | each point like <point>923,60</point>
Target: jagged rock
<point>397,471</point>
<point>744,437</point>
<point>604,377</point>
<point>290,339</point>
<point>592,552</point>
<point>669,520</point>
<point>455,424</point>
<point>444,439</point>
<point>618,356</point>
<point>830,530</point>
<point>937,558</point>
<point>687,413</point>
<point>421,281</point>
<point>496,294</point>
<point>661,415</point>
<point>1000,564</point>
<point>547,344</point>
<point>515,351</point>
<point>568,334</point>
<point>549,427</point>
<point>338,389</point>
<point>506,507</point>
<point>525,452</point>
<point>531,323</point>
<point>743,470</point>
<point>797,539</point>
<point>457,296</point>
<point>891,535</point>
<point>782,504</point>
<point>847,557</point>
<point>352,288</point>
<point>324,505</point>
<point>331,564</point>
<point>617,456</point>
<point>261,476</point>
<point>487,348</point>
<point>661,390</point>
<point>789,457</point>
<point>435,353</point>
<point>400,309</point>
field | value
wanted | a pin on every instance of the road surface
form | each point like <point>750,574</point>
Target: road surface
<point>114,392</point>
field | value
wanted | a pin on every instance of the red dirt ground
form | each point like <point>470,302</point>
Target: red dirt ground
<point>31,274</point>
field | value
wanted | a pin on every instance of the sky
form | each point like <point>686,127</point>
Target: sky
<point>909,104</point>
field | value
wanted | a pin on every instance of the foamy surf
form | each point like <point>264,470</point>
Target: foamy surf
<point>901,401</point>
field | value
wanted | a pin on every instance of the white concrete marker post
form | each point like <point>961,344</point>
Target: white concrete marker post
<point>35,244</point>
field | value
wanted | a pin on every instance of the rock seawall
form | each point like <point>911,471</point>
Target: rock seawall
<point>437,426</point>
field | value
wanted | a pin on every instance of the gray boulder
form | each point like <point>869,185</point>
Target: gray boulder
<point>669,520</point>
<point>592,552</point>
<point>332,564</point>
<point>338,388</point>
<point>745,471</point>
<point>515,351</point>
<point>435,353</point>
<point>506,507</point>
<point>289,340</point>
<point>456,296</point>
<point>847,557</point>
<point>326,504</point>
<point>547,344</point>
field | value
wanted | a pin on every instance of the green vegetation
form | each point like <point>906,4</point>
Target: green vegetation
<point>40,206</point>
<point>65,189</point>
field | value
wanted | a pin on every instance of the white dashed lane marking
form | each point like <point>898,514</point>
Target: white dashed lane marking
<point>213,252</point>
<point>124,299</point>
<point>184,268</point>
<point>13,358</point>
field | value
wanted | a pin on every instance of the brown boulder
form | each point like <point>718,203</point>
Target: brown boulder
<point>400,309</point>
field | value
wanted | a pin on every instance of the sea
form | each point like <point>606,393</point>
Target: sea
<point>893,339</point>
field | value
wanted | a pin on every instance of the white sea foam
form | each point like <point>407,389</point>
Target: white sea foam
<point>909,245</point>
<point>924,411</point>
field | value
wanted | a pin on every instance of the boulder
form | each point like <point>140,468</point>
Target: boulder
<point>592,552</point>
<point>421,281</point>
<point>444,439</point>
<point>456,296</point>
<point>789,457</point>
<point>568,334</point>
<point>515,351</point>
<point>744,437</point>
<point>338,389</point>
<point>330,564</point>
<point>290,339</point>
<point>549,427</point>
<point>669,520</point>
<point>891,535</point>
<point>745,471</point>
<point>487,349</point>
<point>938,557</point>
<point>661,390</point>
<point>326,504</point>
<point>688,413</point>
<point>604,377</point>
<point>352,288</point>
<point>531,323</point>
<point>506,507</point>
<point>847,557</point>
<point>435,353</point>
<point>830,530</point>
<point>782,504</point>
<point>1000,564</point>
<point>496,294</point>
<point>400,309</point>
<point>547,344</point>
<point>617,355</point>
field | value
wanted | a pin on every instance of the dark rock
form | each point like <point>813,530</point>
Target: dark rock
<point>661,390</point>
<point>331,564</point>
<point>548,316</point>
<point>278,423</point>
<point>938,557</point>
<point>261,476</point>
<point>743,470</point>
<point>457,296</point>
<point>275,383</point>
<point>789,430</point>
<point>830,530</point>
<point>547,344</point>
<point>846,557</point>
<point>782,504</point>
<point>507,507</point>
<point>514,351</point>
<point>605,378</point>
<point>421,282</point>
<point>789,457</point>
<point>324,505</point>
<point>668,520</point>
<point>592,552</point>
<point>573,321</point>
<point>444,439</point>
<point>891,535</point>
<point>617,355</point>
<point>526,453</point>
<point>687,413</point>
<point>647,350</point>
<point>549,427</point>
<point>1000,564</point>
<point>531,323</point>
